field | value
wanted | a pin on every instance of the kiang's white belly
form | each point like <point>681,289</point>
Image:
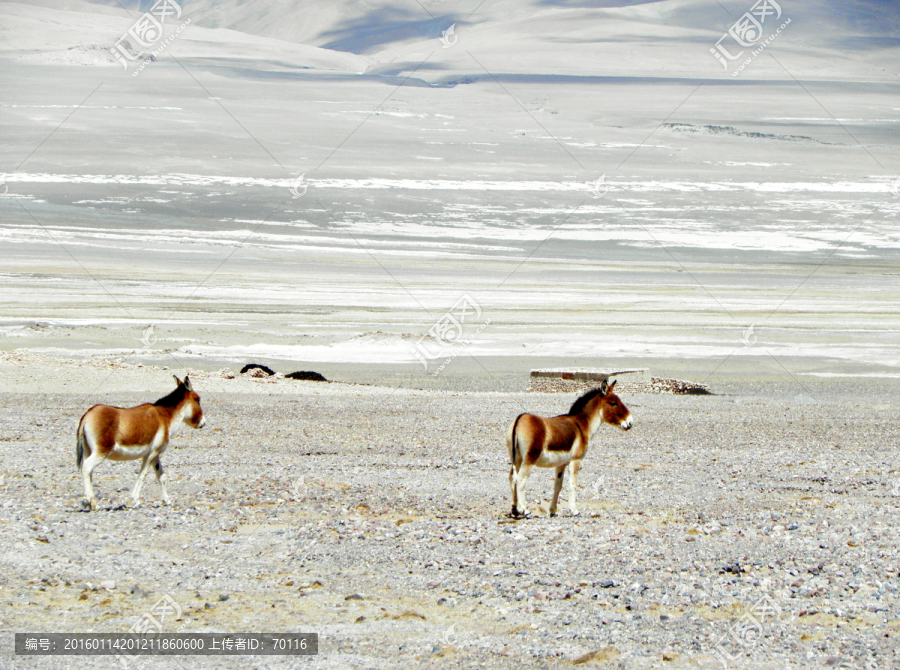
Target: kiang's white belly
<point>554,459</point>
<point>120,453</point>
<point>129,453</point>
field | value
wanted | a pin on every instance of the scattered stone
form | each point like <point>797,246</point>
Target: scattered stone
<point>604,655</point>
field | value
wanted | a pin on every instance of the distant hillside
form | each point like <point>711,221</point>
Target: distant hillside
<point>81,33</point>
<point>825,38</point>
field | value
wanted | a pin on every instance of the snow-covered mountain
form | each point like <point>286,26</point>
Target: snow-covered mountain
<point>833,39</point>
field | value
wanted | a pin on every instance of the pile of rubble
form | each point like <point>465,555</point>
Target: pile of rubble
<point>655,385</point>
<point>258,371</point>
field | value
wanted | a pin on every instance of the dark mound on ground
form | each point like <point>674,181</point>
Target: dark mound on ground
<point>252,366</point>
<point>307,376</point>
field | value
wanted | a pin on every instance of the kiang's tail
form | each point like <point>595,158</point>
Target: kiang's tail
<point>513,440</point>
<point>79,444</point>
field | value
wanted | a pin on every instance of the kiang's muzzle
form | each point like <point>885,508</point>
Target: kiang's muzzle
<point>626,423</point>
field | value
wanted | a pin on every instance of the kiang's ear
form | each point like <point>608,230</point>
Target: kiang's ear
<point>604,388</point>
<point>611,386</point>
<point>187,383</point>
<point>177,380</point>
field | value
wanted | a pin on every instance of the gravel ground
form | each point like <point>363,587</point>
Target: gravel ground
<point>758,521</point>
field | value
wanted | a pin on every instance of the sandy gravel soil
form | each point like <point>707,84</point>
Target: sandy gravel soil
<point>759,521</point>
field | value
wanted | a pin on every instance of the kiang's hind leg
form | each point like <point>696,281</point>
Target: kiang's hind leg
<point>87,474</point>
<point>521,479</point>
<point>136,493</point>
<point>573,484</point>
<point>161,478</point>
<point>512,486</point>
<point>557,487</point>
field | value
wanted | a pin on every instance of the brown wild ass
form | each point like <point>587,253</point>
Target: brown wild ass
<point>559,442</point>
<point>119,434</point>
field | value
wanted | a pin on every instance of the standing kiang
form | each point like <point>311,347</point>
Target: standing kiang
<point>560,442</point>
<point>119,434</point>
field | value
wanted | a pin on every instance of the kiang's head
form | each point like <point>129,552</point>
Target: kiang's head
<point>613,409</point>
<point>192,412</point>
<point>603,403</point>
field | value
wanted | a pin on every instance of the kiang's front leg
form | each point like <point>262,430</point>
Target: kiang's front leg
<point>161,478</point>
<point>573,485</point>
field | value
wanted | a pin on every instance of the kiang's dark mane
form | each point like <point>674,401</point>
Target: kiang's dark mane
<point>579,405</point>
<point>172,399</point>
